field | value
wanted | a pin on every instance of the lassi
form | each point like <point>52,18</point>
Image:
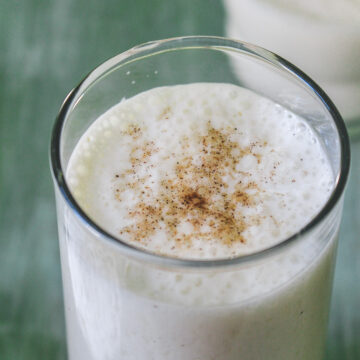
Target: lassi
<point>203,171</point>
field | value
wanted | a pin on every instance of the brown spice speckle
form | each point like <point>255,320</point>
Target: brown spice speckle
<point>197,194</point>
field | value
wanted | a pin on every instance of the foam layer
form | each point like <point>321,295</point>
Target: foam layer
<point>200,171</point>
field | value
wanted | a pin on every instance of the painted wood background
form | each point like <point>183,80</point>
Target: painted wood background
<point>46,47</point>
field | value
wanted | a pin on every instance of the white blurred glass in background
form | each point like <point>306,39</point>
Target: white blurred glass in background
<point>322,37</point>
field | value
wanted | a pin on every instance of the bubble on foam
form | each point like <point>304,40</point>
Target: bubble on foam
<point>73,182</point>
<point>81,170</point>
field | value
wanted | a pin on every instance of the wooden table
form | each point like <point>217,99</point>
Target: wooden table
<point>46,47</point>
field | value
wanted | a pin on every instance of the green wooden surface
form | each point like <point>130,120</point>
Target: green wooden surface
<point>46,47</point>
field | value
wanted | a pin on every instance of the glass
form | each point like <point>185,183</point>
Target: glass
<point>122,302</point>
<point>320,27</point>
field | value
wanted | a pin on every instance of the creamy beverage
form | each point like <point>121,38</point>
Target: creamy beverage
<point>200,171</point>
<point>322,37</point>
<point>203,171</point>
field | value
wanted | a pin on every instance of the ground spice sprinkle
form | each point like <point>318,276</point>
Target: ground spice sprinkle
<point>198,194</point>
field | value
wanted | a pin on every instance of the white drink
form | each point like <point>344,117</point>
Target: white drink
<point>200,171</point>
<point>322,37</point>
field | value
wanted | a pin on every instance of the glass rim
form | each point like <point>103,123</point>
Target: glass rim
<point>197,42</point>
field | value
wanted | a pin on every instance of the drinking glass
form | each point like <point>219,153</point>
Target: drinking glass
<point>122,302</point>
